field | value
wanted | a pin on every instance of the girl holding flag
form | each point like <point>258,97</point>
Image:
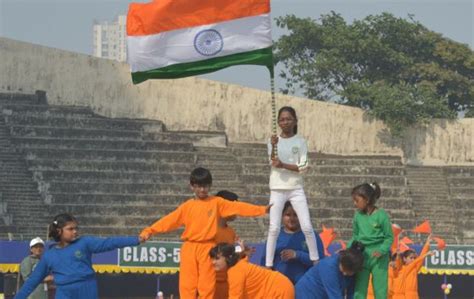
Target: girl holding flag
<point>288,162</point>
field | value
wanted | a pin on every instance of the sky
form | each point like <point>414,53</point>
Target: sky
<point>67,24</point>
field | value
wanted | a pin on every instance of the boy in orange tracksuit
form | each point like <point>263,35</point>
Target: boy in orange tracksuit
<point>200,216</point>
<point>405,286</point>
<point>225,234</point>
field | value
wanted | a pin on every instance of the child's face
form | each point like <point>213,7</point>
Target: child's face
<point>69,232</point>
<point>219,263</point>
<point>290,220</point>
<point>359,202</point>
<point>37,250</point>
<point>201,191</point>
<point>409,259</point>
<point>286,121</point>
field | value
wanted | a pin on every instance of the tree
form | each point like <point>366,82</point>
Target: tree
<point>395,68</point>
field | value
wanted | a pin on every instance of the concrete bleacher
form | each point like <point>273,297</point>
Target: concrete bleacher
<point>460,181</point>
<point>119,175</point>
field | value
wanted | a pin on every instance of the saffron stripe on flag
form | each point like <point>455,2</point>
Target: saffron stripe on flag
<point>166,15</point>
<point>258,57</point>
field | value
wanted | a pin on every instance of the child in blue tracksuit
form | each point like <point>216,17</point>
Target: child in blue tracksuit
<point>332,277</point>
<point>69,260</point>
<point>291,254</point>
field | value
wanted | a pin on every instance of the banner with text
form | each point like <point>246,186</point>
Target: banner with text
<point>457,258</point>
<point>151,254</point>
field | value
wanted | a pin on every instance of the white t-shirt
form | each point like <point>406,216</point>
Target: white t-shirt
<point>294,151</point>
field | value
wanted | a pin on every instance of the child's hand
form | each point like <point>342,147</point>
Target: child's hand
<point>267,208</point>
<point>288,254</point>
<point>274,139</point>
<point>277,163</point>
<point>143,237</point>
<point>241,243</point>
<point>376,254</point>
<point>430,237</point>
<point>249,251</point>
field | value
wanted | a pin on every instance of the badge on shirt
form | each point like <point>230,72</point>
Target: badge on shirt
<point>78,254</point>
<point>295,150</point>
<point>376,225</point>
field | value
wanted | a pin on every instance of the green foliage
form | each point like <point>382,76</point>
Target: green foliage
<point>396,68</point>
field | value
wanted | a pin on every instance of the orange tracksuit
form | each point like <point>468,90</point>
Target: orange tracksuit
<point>249,281</point>
<point>224,235</point>
<point>406,284</point>
<point>200,218</point>
<point>392,275</point>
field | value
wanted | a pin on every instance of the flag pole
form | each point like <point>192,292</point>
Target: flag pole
<point>274,113</point>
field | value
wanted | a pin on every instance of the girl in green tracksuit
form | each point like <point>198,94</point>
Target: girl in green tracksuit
<point>371,226</point>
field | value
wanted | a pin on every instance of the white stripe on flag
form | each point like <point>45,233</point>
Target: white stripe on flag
<point>178,46</point>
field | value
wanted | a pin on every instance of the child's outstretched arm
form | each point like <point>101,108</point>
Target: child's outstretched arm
<point>97,245</point>
<point>426,246</point>
<point>231,208</point>
<point>170,222</point>
<point>418,262</point>
<point>37,277</point>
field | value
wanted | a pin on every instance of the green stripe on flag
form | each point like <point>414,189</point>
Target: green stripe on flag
<point>257,57</point>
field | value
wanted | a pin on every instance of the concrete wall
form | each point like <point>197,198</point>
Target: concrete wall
<point>196,104</point>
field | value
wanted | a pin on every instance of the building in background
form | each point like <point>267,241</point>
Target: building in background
<point>110,39</point>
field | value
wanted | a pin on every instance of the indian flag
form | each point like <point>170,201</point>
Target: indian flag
<point>180,38</point>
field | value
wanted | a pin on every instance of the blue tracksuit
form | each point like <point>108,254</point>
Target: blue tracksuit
<point>71,267</point>
<point>325,281</point>
<point>294,268</point>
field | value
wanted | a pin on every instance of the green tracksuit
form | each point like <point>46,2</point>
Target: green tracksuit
<point>375,232</point>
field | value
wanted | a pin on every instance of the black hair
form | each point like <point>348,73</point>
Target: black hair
<point>408,252</point>
<point>292,111</point>
<point>352,259</point>
<point>286,207</point>
<point>59,221</point>
<point>228,195</point>
<point>227,251</point>
<point>200,176</point>
<point>371,192</point>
